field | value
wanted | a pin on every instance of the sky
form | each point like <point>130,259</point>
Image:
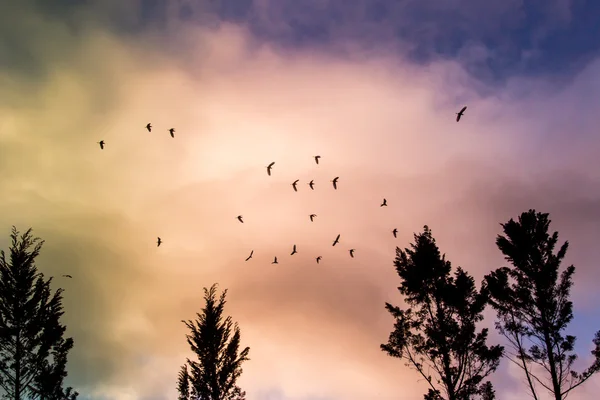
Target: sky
<point>372,87</point>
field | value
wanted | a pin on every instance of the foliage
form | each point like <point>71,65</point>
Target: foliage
<point>215,341</point>
<point>533,306</point>
<point>437,333</point>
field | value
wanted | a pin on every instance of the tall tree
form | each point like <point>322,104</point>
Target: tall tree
<point>436,334</point>
<point>533,306</point>
<point>216,342</point>
<point>33,351</point>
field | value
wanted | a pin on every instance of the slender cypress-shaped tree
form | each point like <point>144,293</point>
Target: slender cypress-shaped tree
<point>215,340</point>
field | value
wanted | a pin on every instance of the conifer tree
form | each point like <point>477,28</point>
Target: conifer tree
<point>215,340</point>
<point>532,302</point>
<point>33,351</point>
<point>436,334</point>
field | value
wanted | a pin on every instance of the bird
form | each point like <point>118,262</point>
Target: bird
<point>269,168</point>
<point>172,132</point>
<point>335,182</point>
<point>336,241</point>
<point>149,127</point>
<point>239,217</point>
<point>158,242</point>
<point>67,276</point>
<point>294,185</point>
<point>250,256</point>
<point>318,259</point>
<point>312,184</point>
<point>460,114</point>
<point>312,216</point>
<point>101,143</point>
<point>275,261</point>
<point>317,159</point>
<point>395,232</point>
<point>351,253</point>
<point>293,251</point>
<point>384,203</point>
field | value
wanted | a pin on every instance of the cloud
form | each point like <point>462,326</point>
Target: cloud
<point>384,125</point>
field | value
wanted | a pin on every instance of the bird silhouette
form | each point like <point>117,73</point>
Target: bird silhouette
<point>172,132</point>
<point>351,253</point>
<point>250,256</point>
<point>395,232</point>
<point>384,203</point>
<point>239,217</point>
<point>275,261</point>
<point>269,168</point>
<point>158,242</point>
<point>317,159</point>
<point>336,241</point>
<point>293,251</point>
<point>335,182</point>
<point>312,184</point>
<point>101,143</point>
<point>460,113</point>
<point>318,259</point>
<point>312,216</point>
<point>68,276</point>
<point>149,127</point>
<point>294,185</point>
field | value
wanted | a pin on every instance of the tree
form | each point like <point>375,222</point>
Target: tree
<point>216,342</point>
<point>533,307</point>
<point>437,333</point>
<point>33,351</point>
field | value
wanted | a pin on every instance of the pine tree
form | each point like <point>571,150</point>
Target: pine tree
<point>436,334</point>
<point>533,306</point>
<point>183,384</point>
<point>216,341</point>
<point>33,352</point>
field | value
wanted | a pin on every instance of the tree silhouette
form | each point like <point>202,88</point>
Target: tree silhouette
<point>437,335</point>
<point>533,306</point>
<point>216,343</point>
<point>33,351</point>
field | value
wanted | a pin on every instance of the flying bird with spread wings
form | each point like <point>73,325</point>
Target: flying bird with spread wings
<point>293,251</point>
<point>395,232</point>
<point>312,216</point>
<point>312,184</point>
<point>275,261</point>
<point>68,276</point>
<point>336,241</point>
<point>384,204</point>
<point>351,253</point>
<point>101,143</point>
<point>172,132</point>
<point>335,180</point>
<point>318,259</point>
<point>158,242</point>
<point>460,113</point>
<point>250,256</point>
<point>269,168</point>
<point>317,159</point>
<point>294,185</point>
<point>149,127</point>
<point>239,217</point>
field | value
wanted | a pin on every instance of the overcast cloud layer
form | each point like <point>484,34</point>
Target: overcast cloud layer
<point>381,120</point>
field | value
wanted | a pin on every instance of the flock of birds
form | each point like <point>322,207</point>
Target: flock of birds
<point>294,184</point>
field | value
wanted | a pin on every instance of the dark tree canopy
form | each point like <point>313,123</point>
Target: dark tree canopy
<point>215,340</point>
<point>532,302</point>
<point>437,333</point>
<point>33,351</point>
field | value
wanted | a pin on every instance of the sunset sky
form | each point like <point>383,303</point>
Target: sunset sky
<point>370,85</point>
